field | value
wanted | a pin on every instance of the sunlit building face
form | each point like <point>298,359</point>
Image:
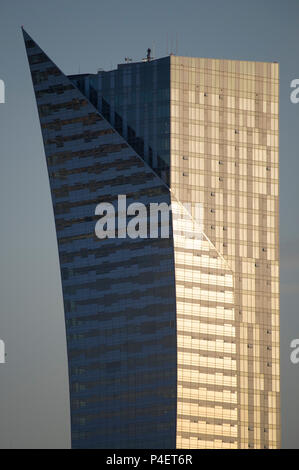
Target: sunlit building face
<point>224,154</point>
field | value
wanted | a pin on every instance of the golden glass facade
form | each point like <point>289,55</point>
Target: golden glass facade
<point>224,155</point>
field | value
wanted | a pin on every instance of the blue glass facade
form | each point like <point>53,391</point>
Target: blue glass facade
<point>119,294</point>
<point>135,99</point>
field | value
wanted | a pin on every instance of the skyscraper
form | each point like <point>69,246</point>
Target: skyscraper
<point>172,342</point>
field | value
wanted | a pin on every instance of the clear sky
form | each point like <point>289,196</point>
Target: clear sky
<point>84,36</point>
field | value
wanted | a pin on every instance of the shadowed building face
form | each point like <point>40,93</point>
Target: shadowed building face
<point>171,342</point>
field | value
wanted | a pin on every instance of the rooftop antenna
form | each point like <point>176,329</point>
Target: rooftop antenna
<point>148,55</point>
<point>176,44</point>
<point>166,43</point>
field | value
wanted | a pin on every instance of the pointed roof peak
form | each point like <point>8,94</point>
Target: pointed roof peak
<point>26,35</point>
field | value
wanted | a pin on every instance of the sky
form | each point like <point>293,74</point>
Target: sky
<point>83,37</point>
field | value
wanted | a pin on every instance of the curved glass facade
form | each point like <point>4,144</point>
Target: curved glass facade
<point>119,293</point>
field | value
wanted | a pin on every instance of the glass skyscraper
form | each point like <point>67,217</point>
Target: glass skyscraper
<point>172,342</point>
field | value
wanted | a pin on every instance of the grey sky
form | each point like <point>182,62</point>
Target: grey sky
<point>85,36</point>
